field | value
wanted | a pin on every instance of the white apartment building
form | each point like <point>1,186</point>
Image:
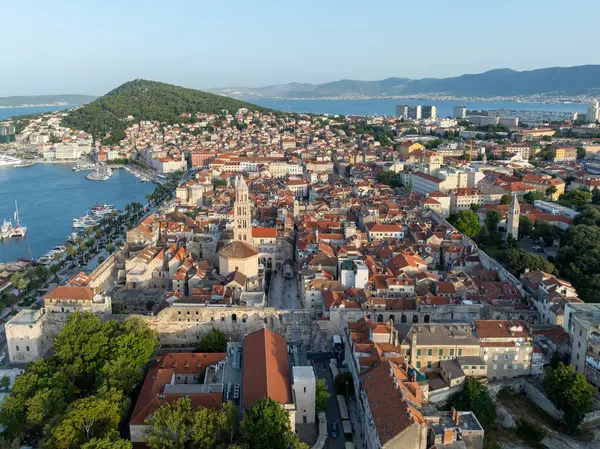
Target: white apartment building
<point>593,112</point>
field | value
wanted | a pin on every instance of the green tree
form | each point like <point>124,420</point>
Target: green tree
<point>525,226</point>
<point>596,196</point>
<point>132,345</point>
<point>505,199</point>
<point>4,382</point>
<point>580,153</point>
<point>219,183</point>
<point>575,198</point>
<point>530,197</point>
<point>321,396</point>
<point>41,272</point>
<point>517,261</point>
<point>266,425</point>
<point>110,441</point>
<point>492,220</point>
<point>467,222</point>
<point>168,426</point>
<point>207,428</point>
<point>232,420</point>
<point>570,392</point>
<point>214,341</point>
<point>87,418</point>
<point>532,434</point>
<point>475,207</point>
<point>551,190</point>
<point>18,281</point>
<point>475,397</point>
<point>588,215</point>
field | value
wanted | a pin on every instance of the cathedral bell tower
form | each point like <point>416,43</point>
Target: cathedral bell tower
<point>242,213</point>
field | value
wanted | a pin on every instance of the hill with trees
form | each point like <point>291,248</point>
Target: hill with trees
<point>147,100</point>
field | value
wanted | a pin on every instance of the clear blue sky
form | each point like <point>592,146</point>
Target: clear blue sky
<point>92,46</point>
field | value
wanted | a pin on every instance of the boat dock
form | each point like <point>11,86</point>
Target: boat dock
<point>102,173</point>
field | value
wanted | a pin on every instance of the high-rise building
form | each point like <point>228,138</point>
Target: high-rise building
<point>459,112</point>
<point>429,112</point>
<point>7,133</point>
<point>402,110</point>
<point>414,112</point>
<point>593,112</point>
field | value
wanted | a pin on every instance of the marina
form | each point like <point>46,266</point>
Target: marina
<point>49,197</point>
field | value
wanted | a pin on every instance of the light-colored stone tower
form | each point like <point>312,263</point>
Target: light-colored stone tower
<point>242,213</point>
<point>512,222</point>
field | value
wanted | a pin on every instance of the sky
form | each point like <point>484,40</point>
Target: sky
<point>93,46</point>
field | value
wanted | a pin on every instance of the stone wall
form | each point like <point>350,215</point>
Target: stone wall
<point>187,324</point>
<point>542,401</point>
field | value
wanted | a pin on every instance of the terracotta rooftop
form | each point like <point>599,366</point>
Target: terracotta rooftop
<point>71,292</point>
<point>266,370</point>
<point>238,250</point>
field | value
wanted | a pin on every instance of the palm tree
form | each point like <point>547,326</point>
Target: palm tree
<point>41,273</point>
<point>18,281</point>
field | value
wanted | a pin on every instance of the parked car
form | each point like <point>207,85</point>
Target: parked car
<point>334,430</point>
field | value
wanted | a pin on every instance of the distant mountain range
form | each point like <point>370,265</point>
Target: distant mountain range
<point>45,100</point>
<point>555,81</point>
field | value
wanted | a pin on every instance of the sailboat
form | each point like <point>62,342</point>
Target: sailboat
<point>8,231</point>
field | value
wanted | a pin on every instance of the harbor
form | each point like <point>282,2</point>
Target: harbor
<point>101,173</point>
<point>49,197</point>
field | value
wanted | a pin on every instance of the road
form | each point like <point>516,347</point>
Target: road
<point>283,293</point>
<point>527,245</point>
<point>333,412</point>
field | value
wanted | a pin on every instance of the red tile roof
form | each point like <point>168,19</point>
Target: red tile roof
<point>266,370</point>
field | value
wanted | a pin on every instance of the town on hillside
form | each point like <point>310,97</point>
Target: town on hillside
<point>409,281</point>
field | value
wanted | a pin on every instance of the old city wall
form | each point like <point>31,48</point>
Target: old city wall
<point>181,325</point>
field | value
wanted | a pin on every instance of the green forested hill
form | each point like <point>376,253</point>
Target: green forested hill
<point>147,100</point>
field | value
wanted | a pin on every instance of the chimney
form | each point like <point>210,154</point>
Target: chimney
<point>457,418</point>
<point>448,437</point>
<point>453,414</point>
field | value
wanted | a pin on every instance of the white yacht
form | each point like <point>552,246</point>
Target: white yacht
<point>9,161</point>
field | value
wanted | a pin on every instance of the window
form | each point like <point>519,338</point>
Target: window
<point>430,352</point>
<point>451,352</point>
<point>441,352</point>
<point>482,367</point>
<point>418,353</point>
<point>418,363</point>
<point>459,351</point>
<point>17,348</point>
<point>495,366</point>
<point>429,364</point>
<point>305,389</point>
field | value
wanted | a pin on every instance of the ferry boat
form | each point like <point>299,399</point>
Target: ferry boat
<point>8,230</point>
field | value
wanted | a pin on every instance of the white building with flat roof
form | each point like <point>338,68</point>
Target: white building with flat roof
<point>304,387</point>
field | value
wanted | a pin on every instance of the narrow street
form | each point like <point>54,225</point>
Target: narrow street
<point>333,411</point>
<point>283,293</point>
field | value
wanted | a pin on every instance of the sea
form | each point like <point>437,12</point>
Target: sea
<point>388,107</point>
<point>51,195</point>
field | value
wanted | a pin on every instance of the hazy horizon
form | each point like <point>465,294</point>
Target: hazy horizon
<point>73,47</point>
